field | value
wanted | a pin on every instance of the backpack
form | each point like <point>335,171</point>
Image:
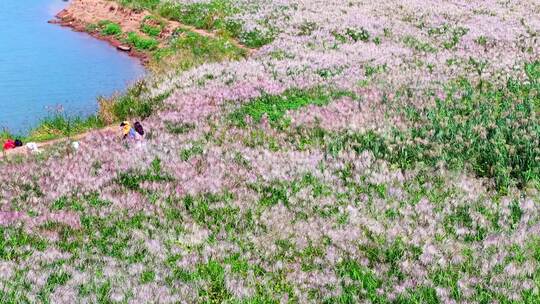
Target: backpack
<point>139,128</point>
<point>18,143</point>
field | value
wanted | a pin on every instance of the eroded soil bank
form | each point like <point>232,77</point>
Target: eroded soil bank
<point>81,13</point>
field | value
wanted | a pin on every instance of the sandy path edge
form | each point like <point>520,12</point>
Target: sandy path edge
<point>45,144</point>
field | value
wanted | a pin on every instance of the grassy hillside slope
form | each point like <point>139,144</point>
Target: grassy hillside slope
<point>369,152</point>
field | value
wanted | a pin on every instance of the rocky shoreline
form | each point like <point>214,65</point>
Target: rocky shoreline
<point>80,13</point>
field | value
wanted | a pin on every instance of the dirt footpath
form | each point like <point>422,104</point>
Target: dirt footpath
<point>43,145</point>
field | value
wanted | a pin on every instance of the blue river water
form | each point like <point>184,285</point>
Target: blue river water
<point>44,67</point>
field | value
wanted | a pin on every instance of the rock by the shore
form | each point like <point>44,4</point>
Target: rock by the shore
<point>124,48</point>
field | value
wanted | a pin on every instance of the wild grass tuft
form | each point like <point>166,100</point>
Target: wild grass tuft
<point>152,26</point>
<point>109,28</point>
<point>141,43</point>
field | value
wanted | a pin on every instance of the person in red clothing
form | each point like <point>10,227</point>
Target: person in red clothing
<point>9,144</point>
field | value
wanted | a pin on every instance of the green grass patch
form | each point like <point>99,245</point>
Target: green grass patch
<point>108,236</point>
<point>203,210</point>
<point>420,294</point>
<point>188,49</point>
<point>372,70</point>
<point>53,281</point>
<point>88,201</point>
<point>141,4</point>
<point>418,45</point>
<point>152,26</point>
<point>134,103</point>
<point>109,28</point>
<point>493,132</point>
<point>352,34</point>
<point>196,149</point>
<point>455,37</point>
<point>150,30</point>
<point>133,178</point>
<point>213,274</point>
<point>452,35</point>
<point>178,128</point>
<point>279,192</point>
<point>141,43</point>
<point>257,38</point>
<point>63,126</point>
<point>275,106</point>
<point>16,245</point>
<point>216,291</point>
<point>363,284</point>
<point>213,15</point>
<point>57,126</point>
<point>208,15</point>
<point>216,15</point>
<point>148,276</point>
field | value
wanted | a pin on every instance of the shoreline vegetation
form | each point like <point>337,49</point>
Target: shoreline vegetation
<point>157,36</point>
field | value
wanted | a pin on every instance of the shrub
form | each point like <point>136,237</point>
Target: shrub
<point>106,27</point>
<point>136,106</point>
<point>111,29</point>
<point>142,43</point>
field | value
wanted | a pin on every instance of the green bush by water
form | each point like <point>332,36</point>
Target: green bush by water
<point>141,43</point>
<point>111,29</point>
